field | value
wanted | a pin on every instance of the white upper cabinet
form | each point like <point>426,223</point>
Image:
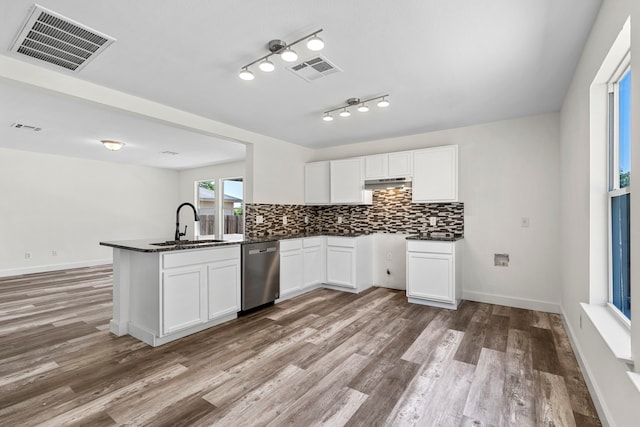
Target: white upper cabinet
<point>435,174</point>
<point>389,165</point>
<point>401,164</point>
<point>347,182</point>
<point>376,166</point>
<point>317,183</point>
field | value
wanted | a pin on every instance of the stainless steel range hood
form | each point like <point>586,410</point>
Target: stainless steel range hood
<point>387,183</point>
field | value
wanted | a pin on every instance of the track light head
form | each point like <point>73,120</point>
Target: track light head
<point>345,113</point>
<point>315,43</point>
<point>267,66</point>
<point>363,108</point>
<point>327,117</point>
<point>289,55</point>
<point>383,103</point>
<point>245,74</point>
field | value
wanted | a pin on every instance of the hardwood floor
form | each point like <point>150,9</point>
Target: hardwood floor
<point>324,358</point>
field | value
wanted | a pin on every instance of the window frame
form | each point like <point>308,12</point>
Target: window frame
<point>613,172</point>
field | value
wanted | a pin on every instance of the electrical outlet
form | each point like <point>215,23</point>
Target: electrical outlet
<point>501,260</point>
<point>306,220</point>
<point>259,219</point>
<point>27,255</point>
<point>339,220</point>
<point>433,221</point>
<point>54,253</point>
<point>524,222</point>
<point>284,220</point>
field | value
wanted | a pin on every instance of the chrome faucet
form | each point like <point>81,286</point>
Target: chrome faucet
<point>195,214</point>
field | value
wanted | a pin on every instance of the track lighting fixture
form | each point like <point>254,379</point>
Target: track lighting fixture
<point>278,47</point>
<point>352,102</point>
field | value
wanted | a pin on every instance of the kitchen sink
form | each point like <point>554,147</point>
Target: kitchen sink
<point>187,242</point>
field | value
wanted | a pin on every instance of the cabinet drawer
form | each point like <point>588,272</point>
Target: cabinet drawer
<point>203,256</point>
<point>430,246</point>
<point>345,242</point>
<point>310,242</point>
<point>290,244</point>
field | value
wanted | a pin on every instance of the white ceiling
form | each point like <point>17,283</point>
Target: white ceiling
<point>445,64</point>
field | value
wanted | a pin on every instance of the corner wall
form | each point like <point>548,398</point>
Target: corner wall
<point>507,170</point>
<point>69,205</point>
<point>619,400</point>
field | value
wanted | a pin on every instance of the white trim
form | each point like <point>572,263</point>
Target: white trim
<point>603,411</point>
<point>613,332</point>
<point>529,304</point>
<point>54,267</point>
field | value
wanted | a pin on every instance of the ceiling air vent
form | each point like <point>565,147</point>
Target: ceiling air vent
<point>58,40</point>
<point>25,127</point>
<point>314,68</point>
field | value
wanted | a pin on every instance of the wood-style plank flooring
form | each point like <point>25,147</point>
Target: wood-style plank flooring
<point>324,358</point>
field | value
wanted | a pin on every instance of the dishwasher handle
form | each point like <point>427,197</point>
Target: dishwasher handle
<point>262,251</point>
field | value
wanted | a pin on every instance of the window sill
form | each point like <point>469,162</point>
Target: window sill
<point>635,379</point>
<point>613,332</point>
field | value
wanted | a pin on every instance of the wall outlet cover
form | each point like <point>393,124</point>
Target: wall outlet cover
<point>501,260</point>
<point>284,220</point>
<point>433,221</point>
<point>339,220</point>
<point>259,219</point>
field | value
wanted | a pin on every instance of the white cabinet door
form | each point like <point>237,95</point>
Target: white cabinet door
<point>224,287</point>
<point>183,297</point>
<point>290,271</point>
<point>317,183</point>
<point>400,164</point>
<point>347,182</point>
<point>430,276</point>
<point>312,262</point>
<point>341,266</point>
<point>435,174</point>
<point>376,167</point>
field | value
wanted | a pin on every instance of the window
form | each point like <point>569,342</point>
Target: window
<point>206,205</point>
<point>619,189</point>
<point>220,206</point>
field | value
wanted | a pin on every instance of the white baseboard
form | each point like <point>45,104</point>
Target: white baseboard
<point>595,392</point>
<point>529,304</point>
<point>53,267</point>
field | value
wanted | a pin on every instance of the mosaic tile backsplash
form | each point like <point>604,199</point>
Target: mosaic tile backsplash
<point>391,212</point>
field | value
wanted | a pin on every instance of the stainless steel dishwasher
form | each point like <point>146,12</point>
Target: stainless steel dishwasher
<point>260,274</point>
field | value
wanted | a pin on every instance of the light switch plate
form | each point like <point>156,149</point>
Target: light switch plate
<point>259,219</point>
<point>433,221</point>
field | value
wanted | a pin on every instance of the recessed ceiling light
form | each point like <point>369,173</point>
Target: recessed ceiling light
<point>112,145</point>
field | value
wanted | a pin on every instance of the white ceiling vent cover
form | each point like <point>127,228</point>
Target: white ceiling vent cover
<point>58,40</point>
<point>314,68</point>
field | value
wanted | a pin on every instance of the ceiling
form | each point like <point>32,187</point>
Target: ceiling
<point>445,64</point>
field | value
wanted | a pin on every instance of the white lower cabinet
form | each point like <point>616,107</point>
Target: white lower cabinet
<point>348,263</point>
<point>313,261</point>
<point>301,264</point>
<point>174,294</point>
<point>434,273</point>
<point>290,266</point>
<point>183,297</point>
<point>223,287</point>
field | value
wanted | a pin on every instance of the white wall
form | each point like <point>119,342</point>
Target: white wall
<point>608,377</point>
<point>507,170</point>
<point>276,171</point>
<point>69,205</point>
<point>274,168</point>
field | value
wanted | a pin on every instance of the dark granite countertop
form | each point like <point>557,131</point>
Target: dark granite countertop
<point>428,236</point>
<point>146,245</point>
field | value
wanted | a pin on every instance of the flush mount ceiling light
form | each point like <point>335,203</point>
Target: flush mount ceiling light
<point>352,102</point>
<point>279,47</point>
<point>112,145</point>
